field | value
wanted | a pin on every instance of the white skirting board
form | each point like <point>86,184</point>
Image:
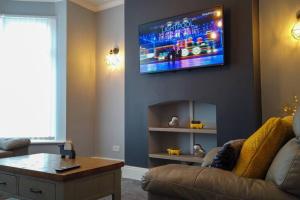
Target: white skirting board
<point>130,172</point>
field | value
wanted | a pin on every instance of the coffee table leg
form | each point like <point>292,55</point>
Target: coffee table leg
<point>117,189</point>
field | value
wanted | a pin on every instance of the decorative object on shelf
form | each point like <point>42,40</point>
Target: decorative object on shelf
<point>174,122</point>
<point>296,27</point>
<point>291,108</point>
<point>196,125</point>
<point>174,151</point>
<point>67,150</point>
<point>113,58</point>
<point>199,150</point>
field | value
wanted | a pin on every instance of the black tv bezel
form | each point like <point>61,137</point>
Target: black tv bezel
<point>221,7</point>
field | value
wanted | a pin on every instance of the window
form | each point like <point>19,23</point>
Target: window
<point>28,77</point>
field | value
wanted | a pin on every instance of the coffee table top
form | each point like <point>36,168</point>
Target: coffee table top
<point>44,165</point>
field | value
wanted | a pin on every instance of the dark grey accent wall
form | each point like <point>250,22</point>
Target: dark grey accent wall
<point>232,88</point>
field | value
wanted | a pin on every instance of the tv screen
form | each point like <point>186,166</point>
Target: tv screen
<point>187,41</point>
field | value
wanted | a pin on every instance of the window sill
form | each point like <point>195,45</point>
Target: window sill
<point>46,142</point>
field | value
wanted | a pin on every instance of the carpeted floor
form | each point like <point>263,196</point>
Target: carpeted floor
<point>131,190</point>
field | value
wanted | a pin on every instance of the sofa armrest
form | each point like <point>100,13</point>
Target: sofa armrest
<point>190,182</point>
<point>14,143</point>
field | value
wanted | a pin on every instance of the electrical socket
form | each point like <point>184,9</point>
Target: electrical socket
<point>116,148</point>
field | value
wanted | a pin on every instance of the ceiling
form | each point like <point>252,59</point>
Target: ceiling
<point>98,5</point>
<point>94,5</point>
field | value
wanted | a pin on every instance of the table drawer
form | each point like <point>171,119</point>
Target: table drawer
<point>8,183</point>
<point>36,190</point>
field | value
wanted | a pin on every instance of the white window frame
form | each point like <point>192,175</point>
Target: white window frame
<point>61,83</point>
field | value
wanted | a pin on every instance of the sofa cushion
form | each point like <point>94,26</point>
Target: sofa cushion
<point>13,143</point>
<point>4,154</point>
<point>260,148</point>
<point>228,155</point>
<point>285,168</point>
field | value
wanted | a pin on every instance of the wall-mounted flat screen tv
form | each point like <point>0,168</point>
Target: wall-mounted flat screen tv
<point>194,40</point>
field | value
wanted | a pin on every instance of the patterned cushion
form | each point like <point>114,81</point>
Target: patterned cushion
<point>227,156</point>
<point>260,148</point>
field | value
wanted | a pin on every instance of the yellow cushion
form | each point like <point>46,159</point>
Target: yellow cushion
<point>260,148</point>
<point>289,120</point>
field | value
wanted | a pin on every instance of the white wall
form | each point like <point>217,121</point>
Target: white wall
<point>81,97</point>
<point>280,63</point>
<point>61,24</point>
<point>110,85</point>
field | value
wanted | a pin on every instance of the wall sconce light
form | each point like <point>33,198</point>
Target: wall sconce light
<point>296,28</point>
<point>113,58</point>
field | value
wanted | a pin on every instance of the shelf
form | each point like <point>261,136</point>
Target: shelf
<point>161,136</point>
<point>183,130</point>
<point>182,158</point>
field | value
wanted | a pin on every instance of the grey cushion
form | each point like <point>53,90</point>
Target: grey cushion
<point>296,124</point>
<point>4,154</point>
<point>285,168</point>
<point>208,159</point>
<point>13,143</point>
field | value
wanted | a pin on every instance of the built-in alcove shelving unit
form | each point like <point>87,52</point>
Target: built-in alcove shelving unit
<point>161,136</point>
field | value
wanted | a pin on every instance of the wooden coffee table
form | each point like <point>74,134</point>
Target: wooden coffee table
<point>34,177</point>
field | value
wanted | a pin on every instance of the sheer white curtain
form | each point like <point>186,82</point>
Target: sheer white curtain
<point>27,77</point>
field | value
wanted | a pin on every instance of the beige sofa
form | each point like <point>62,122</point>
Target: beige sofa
<point>282,181</point>
<point>13,147</point>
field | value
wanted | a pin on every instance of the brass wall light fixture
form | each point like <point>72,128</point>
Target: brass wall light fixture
<point>113,58</point>
<point>296,27</point>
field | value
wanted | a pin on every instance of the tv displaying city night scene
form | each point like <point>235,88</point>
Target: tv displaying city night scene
<point>183,42</point>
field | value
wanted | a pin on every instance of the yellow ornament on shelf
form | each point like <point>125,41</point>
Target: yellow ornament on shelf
<point>172,152</point>
<point>196,125</point>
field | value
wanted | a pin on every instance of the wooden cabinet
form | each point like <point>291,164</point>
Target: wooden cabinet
<point>34,177</point>
<point>91,188</point>
<point>35,189</point>
<point>87,188</point>
<point>8,183</point>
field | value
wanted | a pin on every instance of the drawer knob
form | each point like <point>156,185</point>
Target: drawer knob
<point>2,183</point>
<point>35,191</point>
